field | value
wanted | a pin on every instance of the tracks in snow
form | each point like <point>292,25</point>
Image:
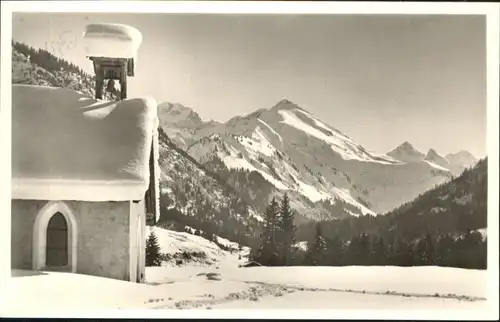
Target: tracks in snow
<point>258,290</point>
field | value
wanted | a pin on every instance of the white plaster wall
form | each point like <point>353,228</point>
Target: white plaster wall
<point>103,236</point>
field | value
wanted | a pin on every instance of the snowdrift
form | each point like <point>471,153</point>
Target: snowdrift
<point>111,40</point>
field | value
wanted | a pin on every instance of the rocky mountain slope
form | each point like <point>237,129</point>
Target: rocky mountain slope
<point>181,123</point>
<point>39,67</point>
<point>190,189</point>
<point>287,149</point>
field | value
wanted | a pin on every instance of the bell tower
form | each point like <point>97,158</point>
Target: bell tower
<point>112,48</point>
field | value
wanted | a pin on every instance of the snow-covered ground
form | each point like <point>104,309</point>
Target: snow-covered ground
<point>195,287</point>
<point>175,243</point>
<point>224,286</point>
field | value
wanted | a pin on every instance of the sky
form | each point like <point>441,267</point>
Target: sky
<point>380,79</point>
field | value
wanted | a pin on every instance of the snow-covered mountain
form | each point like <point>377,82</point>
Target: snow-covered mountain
<point>436,158</point>
<point>460,161</point>
<point>406,153</point>
<point>287,149</point>
<point>461,157</point>
<point>181,123</point>
<point>456,163</point>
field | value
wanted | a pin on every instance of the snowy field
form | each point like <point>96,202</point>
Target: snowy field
<point>229,287</point>
<point>223,287</point>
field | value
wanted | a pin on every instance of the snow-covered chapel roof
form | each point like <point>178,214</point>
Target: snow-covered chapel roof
<point>67,146</point>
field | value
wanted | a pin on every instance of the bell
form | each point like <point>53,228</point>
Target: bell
<point>111,86</point>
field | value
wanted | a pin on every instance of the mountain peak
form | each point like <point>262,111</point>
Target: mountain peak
<point>178,113</point>
<point>436,158</point>
<point>432,154</point>
<point>406,152</point>
<point>406,145</point>
<point>286,104</point>
<point>285,101</point>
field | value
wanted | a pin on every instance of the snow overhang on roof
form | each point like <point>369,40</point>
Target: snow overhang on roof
<point>111,40</point>
<point>67,146</point>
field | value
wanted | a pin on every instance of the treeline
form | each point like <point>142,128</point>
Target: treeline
<point>278,246</point>
<point>47,60</point>
<point>437,228</point>
<point>465,251</point>
<point>453,208</point>
<point>455,221</point>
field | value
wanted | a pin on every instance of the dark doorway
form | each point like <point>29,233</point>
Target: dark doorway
<point>57,242</point>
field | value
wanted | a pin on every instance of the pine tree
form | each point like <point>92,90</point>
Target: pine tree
<point>378,251</point>
<point>430,251</point>
<point>287,230</point>
<point>424,252</point>
<point>268,251</point>
<point>358,252</point>
<point>444,247</point>
<point>335,251</point>
<point>317,252</point>
<point>153,256</point>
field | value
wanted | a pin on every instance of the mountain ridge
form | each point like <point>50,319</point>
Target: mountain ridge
<point>259,142</point>
<point>285,148</point>
<point>456,162</point>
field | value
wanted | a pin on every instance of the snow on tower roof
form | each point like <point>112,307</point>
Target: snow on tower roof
<point>67,146</point>
<point>111,40</point>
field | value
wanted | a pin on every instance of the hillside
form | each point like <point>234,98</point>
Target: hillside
<point>194,196</point>
<point>327,174</point>
<point>189,248</point>
<point>39,67</point>
<point>449,221</point>
<point>454,207</point>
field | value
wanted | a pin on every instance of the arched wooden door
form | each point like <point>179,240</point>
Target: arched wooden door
<point>57,242</point>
